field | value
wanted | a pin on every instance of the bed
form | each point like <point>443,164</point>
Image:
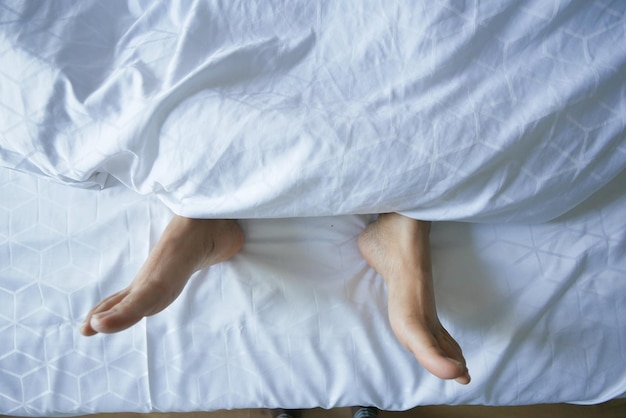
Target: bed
<point>504,122</point>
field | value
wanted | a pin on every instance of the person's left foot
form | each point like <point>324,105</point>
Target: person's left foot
<point>398,249</point>
<point>187,245</point>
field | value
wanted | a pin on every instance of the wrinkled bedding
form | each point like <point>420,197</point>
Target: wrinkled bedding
<point>303,120</point>
<point>458,111</point>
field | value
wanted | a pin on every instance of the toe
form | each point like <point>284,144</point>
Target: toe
<point>432,351</point>
<point>137,303</point>
<point>436,362</point>
<point>121,310</point>
<point>464,380</point>
<point>102,306</point>
<point>114,320</point>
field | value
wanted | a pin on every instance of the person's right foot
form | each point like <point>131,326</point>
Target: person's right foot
<point>186,246</point>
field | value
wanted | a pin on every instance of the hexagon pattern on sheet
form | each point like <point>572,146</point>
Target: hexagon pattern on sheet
<point>297,319</point>
<point>56,245</point>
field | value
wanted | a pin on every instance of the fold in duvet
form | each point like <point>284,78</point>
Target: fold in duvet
<point>460,111</point>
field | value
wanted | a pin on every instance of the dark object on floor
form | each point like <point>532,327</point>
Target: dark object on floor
<point>364,412</point>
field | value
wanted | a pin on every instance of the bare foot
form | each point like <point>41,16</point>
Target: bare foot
<point>186,246</point>
<point>398,249</point>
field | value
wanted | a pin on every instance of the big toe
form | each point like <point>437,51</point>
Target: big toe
<point>114,320</point>
<point>438,353</point>
<point>440,365</point>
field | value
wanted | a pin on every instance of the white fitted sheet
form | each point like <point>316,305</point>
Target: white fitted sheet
<point>297,319</point>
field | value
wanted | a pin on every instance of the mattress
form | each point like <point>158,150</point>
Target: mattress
<point>502,122</point>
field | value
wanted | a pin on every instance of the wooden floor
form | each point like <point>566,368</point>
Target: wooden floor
<point>613,409</point>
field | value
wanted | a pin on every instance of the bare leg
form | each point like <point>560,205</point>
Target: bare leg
<point>186,246</point>
<point>398,248</point>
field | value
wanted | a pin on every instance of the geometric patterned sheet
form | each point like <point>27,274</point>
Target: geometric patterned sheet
<point>297,319</point>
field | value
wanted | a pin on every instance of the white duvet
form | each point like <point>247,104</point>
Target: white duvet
<point>491,111</point>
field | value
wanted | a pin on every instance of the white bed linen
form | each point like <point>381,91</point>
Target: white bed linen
<point>298,319</point>
<point>490,111</point>
<point>508,111</point>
